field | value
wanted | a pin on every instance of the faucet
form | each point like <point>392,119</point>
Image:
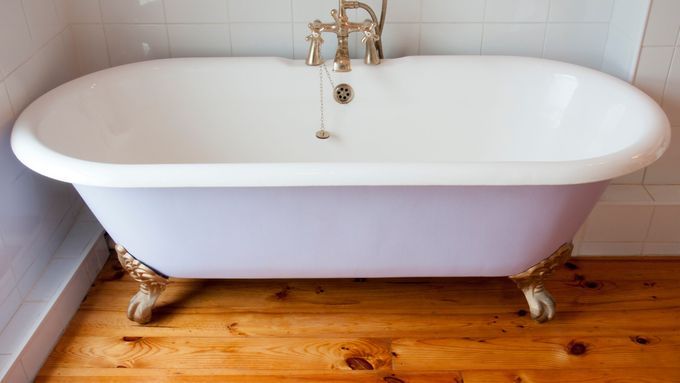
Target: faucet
<point>342,27</point>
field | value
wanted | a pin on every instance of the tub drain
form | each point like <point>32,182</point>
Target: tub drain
<point>343,93</point>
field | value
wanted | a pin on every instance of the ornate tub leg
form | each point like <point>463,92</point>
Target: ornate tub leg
<point>151,285</point>
<point>541,303</point>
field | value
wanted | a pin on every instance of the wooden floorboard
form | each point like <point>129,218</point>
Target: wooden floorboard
<point>618,321</point>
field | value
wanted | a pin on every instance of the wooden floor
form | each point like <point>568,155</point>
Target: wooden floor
<point>618,321</point>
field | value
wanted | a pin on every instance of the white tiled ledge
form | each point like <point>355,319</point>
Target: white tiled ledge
<point>35,328</point>
<point>633,220</point>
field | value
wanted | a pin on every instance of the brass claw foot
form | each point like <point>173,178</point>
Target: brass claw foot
<point>541,303</point>
<point>151,285</point>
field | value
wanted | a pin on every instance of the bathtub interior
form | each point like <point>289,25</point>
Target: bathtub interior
<point>456,109</point>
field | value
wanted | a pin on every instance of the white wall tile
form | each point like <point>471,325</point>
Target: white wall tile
<point>47,334</point>
<point>5,363</point>
<point>18,330</point>
<point>610,248</point>
<point>651,248</point>
<point>665,226</point>
<point>16,374</point>
<point>456,39</point>
<point>33,273</point>
<point>398,11</point>
<point>196,11</point>
<point>581,10</point>
<point>581,44</point>
<point>199,40</point>
<point>271,39</point>
<point>663,24</point>
<point>20,217</point>
<point>306,11</point>
<point>626,31</point>
<point>665,194</point>
<point>51,279</point>
<point>514,39</point>
<point>133,11</point>
<point>655,62</point>
<point>74,245</point>
<point>260,11</point>
<point>39,347</point>
<point>6,113</point>
<point>136,42</point>
<point>71,70</point>
<point>631,14</point>
<point>620,55</point>
<point>15,38</point>
<point>8,307</point>
<point>86,215</point>
<point>671,98</point>
<point>618,223</point>
<point>91,50</point>
<point>43,21</point>
<point>6,121</point>
<point>82,11</point>
<point>32,224</point>
<point>635,178</point>
<point>33,60</point>
<point>101,253</point>
<point>400,40</point>
<point>10,168</point>
<point>626,195</point>
<point>44,71</point>
<point>666,170</point>
<point>516,10</point>
<point>453,11</point>
<point>7,280</point>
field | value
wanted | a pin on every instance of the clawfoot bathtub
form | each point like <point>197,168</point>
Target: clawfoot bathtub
<point>439,166</point>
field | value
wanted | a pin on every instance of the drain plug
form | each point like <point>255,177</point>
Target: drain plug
<point>343,93</point>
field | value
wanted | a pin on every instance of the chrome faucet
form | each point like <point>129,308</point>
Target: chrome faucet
<point>342,27</point>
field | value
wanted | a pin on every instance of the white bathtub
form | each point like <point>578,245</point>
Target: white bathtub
<point>440,166</point>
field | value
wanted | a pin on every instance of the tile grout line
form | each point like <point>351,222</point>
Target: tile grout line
<point>28,27</point>
<point>165,27</point>
<point>292,28</point>
<point>106,35</point>
<point>609,33</point>
<point>547,27</point>
<point>420,27</point>
<point>484,23</point>
<point>639,57</point>
<point>228,25</point>
<point>33,54</point>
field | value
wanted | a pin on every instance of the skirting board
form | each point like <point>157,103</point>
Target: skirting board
<point>45,313</point>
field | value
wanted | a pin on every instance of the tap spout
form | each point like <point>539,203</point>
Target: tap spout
<point>342,27</point>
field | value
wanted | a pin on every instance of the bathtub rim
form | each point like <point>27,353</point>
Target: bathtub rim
<point>33,153</point>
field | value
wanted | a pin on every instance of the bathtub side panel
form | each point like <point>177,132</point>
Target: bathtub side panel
<point>342,231</point>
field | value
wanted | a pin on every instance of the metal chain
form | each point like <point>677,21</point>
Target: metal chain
<point>322,133</point>
<point>328,74</point>
<point>323,120</point>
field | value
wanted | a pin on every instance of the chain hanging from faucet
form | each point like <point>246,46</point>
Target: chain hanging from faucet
<point>322,133</point>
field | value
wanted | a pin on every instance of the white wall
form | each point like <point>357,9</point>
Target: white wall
<point>643,215</point>
<point>659,76</point>
<point>113,32</point>
<point>36,54</point>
